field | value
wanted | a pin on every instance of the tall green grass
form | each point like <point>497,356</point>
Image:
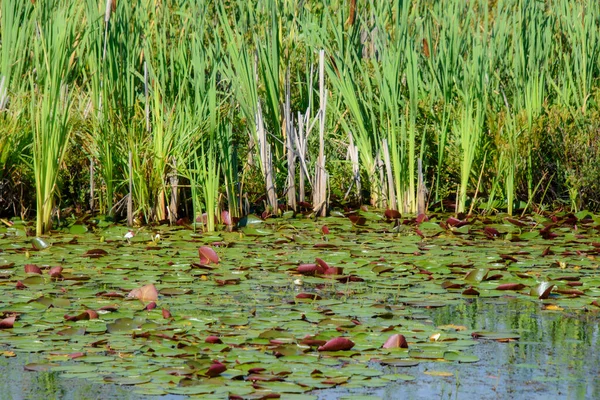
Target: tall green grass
<point>467,87</point>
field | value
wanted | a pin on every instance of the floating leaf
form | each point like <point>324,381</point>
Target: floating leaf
<point>498,336</point>
<point>208,255</point>
<point>470,292</point>
<point>392,214</point>
<point>337,344</point>
<point>542,290</point>
<point>396,341</point>
<point>39,244</point>
<point>32,269</point>
<point>215,369</point>
<point>511,286</point>
<point>145,293</point>
<point>95,253</point>
<point>8,323</point>
<point>55,272</point>
<point>476,275</point>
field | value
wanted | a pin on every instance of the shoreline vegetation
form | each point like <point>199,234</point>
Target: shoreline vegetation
<point>155,110</point>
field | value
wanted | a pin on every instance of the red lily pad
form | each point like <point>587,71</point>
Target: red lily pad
<point>392,214</point>
<point>215,369</point>
<point>8,323</point>
<point>213,339</point>
<point>208,255</point>
<point>310,269</point>
<point>510,286</point>
<point>55,272</point>
<point>337,344</point>
<point>95,253</point>
<point>32,269</point>
<point>312,296</point>
<point>396,341</point>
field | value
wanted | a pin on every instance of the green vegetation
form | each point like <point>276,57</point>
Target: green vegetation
<point>497,98</point>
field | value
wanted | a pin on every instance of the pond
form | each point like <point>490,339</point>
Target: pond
<point>347,305</point>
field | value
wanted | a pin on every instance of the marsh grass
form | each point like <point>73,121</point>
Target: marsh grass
<point>463,86</point>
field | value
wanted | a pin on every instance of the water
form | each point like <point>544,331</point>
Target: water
<point>556,357</point>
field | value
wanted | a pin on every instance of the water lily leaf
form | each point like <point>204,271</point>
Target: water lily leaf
<point>396,362</point>
<point>32,269</point>
<point>511,286</point>
<point>55,272</point>
<point>542,290</point>
<point>226,217</point>
<point>174,291</point>
<point>215,369</point>
<point>95,253</point>
<point>476,275</point>
<point>213,339</point>
<point>39,367</point>
<point>337,344</point>
<point>122,325</point>
<point>207,255</point>
<point>128,380</point>
<point>145,293</point>
<point>460,357</point>
<point>498,336</point>
<point>392,214</point>
<point>78,229</point>
<point>470,292</point>
<point>396,341</point>
<point>309,296</point>
<point>39,244</point>
<point>439,373</point>
<point>249,220</point>
<point>310,269</point>
<point>8,323</point>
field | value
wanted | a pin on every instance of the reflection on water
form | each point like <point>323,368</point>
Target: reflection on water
<point>557,356</point>
<point>18,384</point>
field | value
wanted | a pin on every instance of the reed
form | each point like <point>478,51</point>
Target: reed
<point>50,102</point>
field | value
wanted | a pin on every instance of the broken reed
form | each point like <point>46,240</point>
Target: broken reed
<point>400,82</point>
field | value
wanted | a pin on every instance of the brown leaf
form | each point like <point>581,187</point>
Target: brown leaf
<point>20,285</point>
<point>396,341</point>
<point>8,323</point>
<point>207,255</point>
<point>333,271</point>
<point>324,266</point>
<point>216,369</point>
<point>392,214</point>
<point>310,269</point>
<point>422,218</point>
<point>150,306</point>
<point>145,293</point>
<point>225,217</point>
<point>55,272</point>
<point>32,269</point>
<point>92,314</point>
<point>311,296</point>
<point>166,313</point>
<point>337,344</point>
<point>510,286</point>
<point>213,339</point>
<point>325,230</point>
<point>80,317</point>
<point>470,292</point>
<point>95,253</point>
